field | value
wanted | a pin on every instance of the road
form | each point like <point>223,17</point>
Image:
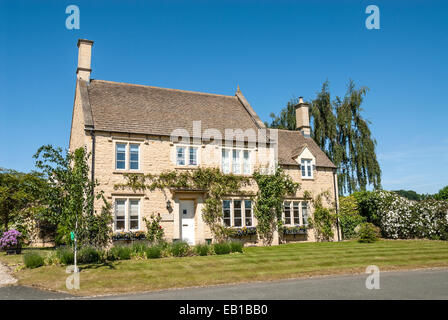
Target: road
<point>419,284</point>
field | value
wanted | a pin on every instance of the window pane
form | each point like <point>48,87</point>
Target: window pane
<point>120,156</point>
<point>309,168</point>
<point>305,213</point>
<point>133,214</point>
<point>119,224</point>
<point>287,212</point>
<point>226,212</point>
<point>133,156</point>
<point>180,156</point>
<point>225,161</point>
<point>302,167</point>
<point>246,165</point>
<point>120,211</point>
<point>295,212</point>
<point>236,164</point>
<point>237,213</point>
<point>121,147</point>
<point>193,156</point>
<point>120,208</point>
<point>248,212</point>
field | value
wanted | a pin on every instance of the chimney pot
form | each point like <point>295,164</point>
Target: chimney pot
<point>300,99</point>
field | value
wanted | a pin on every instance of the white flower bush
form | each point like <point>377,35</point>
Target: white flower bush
<point>400,218</point>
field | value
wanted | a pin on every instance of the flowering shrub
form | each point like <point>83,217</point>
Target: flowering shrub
<point>400,218</point>
<point>129,235</point>
<point>11,238</point>
<point>294,230</point>
<point>242,232</point>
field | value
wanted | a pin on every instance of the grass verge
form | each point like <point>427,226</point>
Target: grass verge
<point>255,264</point>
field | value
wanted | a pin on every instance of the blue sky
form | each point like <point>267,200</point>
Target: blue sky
<point>274,50</point>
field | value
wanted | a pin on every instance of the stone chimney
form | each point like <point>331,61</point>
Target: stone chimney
<point>303,118</point>
<point>84,59</point>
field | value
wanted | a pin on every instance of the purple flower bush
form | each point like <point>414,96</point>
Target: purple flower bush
<point>10,238</point>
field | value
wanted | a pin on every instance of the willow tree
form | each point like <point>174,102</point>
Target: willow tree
<point>341,131</point>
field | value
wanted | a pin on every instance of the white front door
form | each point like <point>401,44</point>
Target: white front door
<point>187,220</point>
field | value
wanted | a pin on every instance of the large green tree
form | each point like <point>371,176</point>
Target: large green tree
<point>19,198</point>
<point>339,128</point>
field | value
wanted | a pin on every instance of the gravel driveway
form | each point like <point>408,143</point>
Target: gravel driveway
<point>5,276</point>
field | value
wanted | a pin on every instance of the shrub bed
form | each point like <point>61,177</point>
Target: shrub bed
<point>222,248</point>
<point>65,255</point>
<point>180,249</point>
<point>202,249</point>
<point>368,232</point>
<point>236,246</point>
<point>33,260</point>
<point>91,255</point>
<point>119,253</point>
<point>154,252</point>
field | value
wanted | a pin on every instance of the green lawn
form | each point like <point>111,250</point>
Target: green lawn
<point>255,264</point>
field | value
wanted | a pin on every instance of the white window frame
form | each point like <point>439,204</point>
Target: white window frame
<point>127,217</point>
<point>243,213</point>
<point>187,149</point>
<point>127,156</point>
<point>242,164</point>
<point>306,164</point>
<point>299,205</point>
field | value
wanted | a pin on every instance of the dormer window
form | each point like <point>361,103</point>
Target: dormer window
<point>307,169</point>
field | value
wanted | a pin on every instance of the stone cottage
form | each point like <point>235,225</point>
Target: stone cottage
<point>141,129</point>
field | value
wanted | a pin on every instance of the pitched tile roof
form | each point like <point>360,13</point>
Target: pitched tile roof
<point>132,108</point>
<point>129,108</point>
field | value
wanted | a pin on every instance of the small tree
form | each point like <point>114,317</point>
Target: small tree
<point>70,197</point>
<point>272,189</point>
